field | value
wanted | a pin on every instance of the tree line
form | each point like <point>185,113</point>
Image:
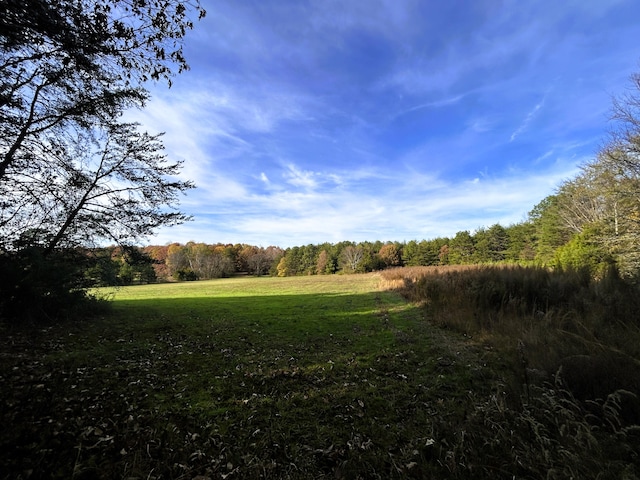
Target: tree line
<point>545,238</point>
<point>192,261</point>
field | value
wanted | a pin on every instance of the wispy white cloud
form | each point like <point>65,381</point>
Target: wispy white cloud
<point>302,122</point>
<point>527,120</point>
<point>299,178</point>
<point>403,205</point>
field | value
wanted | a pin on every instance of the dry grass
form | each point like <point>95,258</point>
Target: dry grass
<point>536,315</point>
<point>571,408</point>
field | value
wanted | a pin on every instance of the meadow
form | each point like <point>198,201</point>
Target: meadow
<point>340,376</point>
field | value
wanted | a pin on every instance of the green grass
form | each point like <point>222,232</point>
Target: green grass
<point>237,378</point>
<point>303,377</point>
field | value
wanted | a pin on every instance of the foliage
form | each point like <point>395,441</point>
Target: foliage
<point>67,164</point>
<point>40,287</point>
<point>584,252</point>
<point>70,168</point>
<point>390,255</point>
<point>550,232</point>
<point>594,217</point>
<point>218,260</point>
<point>462,249</point>
<point>186,275</point>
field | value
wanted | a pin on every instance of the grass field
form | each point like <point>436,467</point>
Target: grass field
<point>304,377</point>
<point>237,378</point>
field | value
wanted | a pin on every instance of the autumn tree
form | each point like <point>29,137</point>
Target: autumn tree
<point>259,263</point>
<point>620,159</point>
<point>327,261</point>
<point>390,255</point>
<point>282,269</point>
<point>593,219</point>
<point>159,255</point>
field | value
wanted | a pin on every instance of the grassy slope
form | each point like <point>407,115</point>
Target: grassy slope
<point>238,378</point>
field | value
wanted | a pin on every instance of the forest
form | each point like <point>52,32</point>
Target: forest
<point>591,222</point>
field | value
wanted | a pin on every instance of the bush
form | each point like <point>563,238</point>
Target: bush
<point>186,275</point>
<point>38,286</point>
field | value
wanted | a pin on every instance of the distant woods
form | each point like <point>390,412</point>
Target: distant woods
<point>546,238</point>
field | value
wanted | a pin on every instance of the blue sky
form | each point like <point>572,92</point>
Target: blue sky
<point>311,121</point>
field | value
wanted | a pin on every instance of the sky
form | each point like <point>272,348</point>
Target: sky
<point>309,121</point>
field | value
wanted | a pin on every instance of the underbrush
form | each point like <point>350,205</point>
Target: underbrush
<point>571,407</point>
<point>550,315</point>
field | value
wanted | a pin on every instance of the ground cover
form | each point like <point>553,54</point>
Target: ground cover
<point>237,378</point>
<point>303,377</point>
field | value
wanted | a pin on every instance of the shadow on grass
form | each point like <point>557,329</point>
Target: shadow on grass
<point>296,386</point>
<point>324,385</point>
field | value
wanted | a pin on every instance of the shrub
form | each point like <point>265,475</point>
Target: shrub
<point>39,286</point>
<point>186,275</point>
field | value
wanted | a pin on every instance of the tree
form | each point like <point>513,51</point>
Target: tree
<point>104,269</point>
<point>322,262</point>
<point>176,258</point>
<point>136,266</point>
<point>111,184</point>
<point>159,255</point>
<point>620,158</point>
<point>481,253</point>
<point>67,62</point>
<point>521,242</point>
<point>461,249</point>
<point>550,230</point>
<point>351,257</point>
<point>69,69</point>
<point>498,241</point>
<point>71,172</point>
<point>490,244</point>
<point>259,263</point>
<point>390,255</point>
<point>584,251</point>
<point>283,269</point>
<point>370,260</point>
<point>327,262</point>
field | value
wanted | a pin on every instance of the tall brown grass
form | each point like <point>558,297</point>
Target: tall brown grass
<point>542,316</point>
<point>568,402</point>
